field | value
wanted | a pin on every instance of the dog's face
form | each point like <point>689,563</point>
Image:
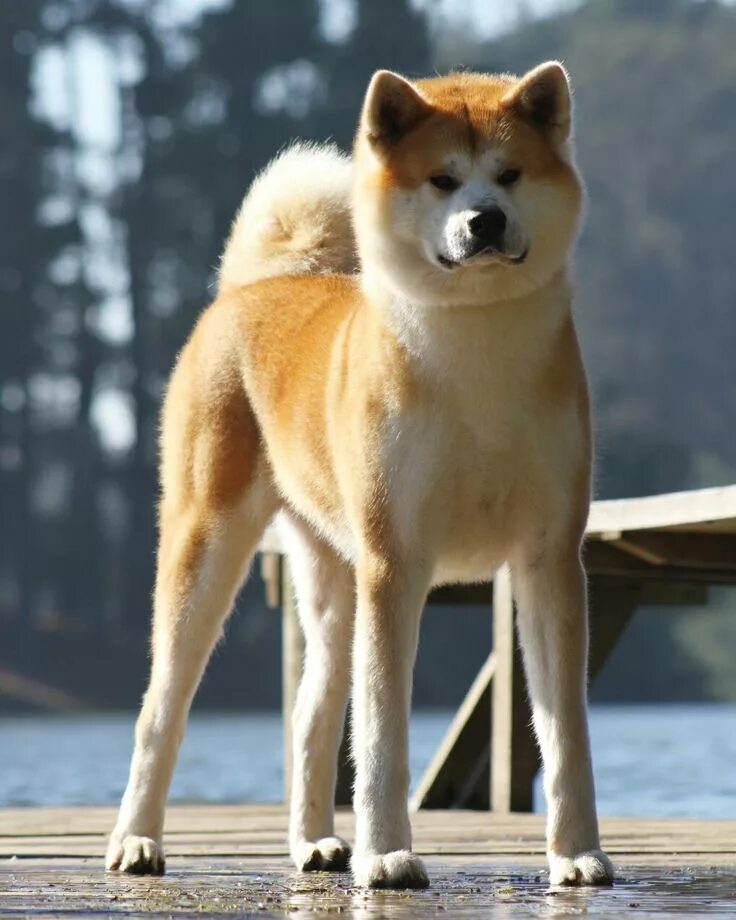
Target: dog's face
<point>466,191</point>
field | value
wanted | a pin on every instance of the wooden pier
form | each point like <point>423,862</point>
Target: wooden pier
<point>232,861</point>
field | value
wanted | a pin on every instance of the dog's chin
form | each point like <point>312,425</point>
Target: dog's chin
<point>484,259</point>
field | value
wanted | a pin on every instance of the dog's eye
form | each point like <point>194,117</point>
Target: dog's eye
<point>444,183</point>
<point>509,177</point>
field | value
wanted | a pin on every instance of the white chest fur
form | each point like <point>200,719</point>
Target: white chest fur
<point>484,460</point>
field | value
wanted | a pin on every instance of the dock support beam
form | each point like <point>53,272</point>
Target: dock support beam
<point>292,659</point>
<point>514,753</point>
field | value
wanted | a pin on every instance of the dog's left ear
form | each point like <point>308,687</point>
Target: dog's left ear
<point>543,97</point>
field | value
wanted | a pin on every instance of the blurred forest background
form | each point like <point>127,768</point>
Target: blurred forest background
<point>130,130</point>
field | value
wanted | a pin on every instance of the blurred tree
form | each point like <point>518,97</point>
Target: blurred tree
<point>44,296</point>
<point>203,101</point>
<point>108,247</point>
<point>20,190</point>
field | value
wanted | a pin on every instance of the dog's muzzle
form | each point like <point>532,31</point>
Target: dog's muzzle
<point>484,233</point>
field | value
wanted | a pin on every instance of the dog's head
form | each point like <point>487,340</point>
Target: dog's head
<point>466,190</point>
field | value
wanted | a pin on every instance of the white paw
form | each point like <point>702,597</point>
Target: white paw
<point>400,869</point>
<point>328,854</point>
<point>136,855</point>
<point>590,868</point>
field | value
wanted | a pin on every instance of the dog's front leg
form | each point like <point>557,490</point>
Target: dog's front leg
<point>553,625</point>
<point>390,600</point>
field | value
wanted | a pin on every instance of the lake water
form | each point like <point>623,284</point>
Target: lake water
<point>664,760</point>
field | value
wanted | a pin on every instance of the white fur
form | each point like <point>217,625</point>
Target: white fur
<point>442,219</point>
<point>552,622</point>
<point>326,598</point>
<point>383,661</point>
<point>295,218</point>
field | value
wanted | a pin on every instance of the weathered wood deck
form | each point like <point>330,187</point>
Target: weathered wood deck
<point>231,860</point>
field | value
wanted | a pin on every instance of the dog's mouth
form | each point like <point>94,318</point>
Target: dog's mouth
<point>447,263</point>
<point>495,254</point>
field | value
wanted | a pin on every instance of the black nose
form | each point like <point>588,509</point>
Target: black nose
<point>488,226</point>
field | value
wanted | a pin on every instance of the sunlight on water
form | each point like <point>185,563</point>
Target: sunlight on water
<point>650,760</point>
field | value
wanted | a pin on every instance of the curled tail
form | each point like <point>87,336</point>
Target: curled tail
<point>294,220</point>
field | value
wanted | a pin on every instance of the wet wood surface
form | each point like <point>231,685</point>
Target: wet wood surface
<point>231,860</point>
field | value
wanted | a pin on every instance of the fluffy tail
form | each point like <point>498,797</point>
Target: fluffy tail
<point>294,220</point>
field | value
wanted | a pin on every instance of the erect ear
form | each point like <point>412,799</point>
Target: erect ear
<point>392,107</point>
<point>543,98</point>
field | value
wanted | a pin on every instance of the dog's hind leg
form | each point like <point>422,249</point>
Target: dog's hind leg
<point>217,499</point>
<point>202,564</point>
<point>326,600</point>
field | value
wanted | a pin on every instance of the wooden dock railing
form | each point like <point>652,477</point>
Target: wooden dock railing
<point>659,550</point>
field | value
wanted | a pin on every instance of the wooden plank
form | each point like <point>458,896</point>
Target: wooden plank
<point>292,655</point>
<point>345,768</point>
<point>213,830</point>
<point>100,819</point>
<point>604,558</point>
<point>610,609</point>
<point>271,575</point>
<point>459,773</point>
<point>514,752</point>
<point>688,510</point>
<point>681,549</point>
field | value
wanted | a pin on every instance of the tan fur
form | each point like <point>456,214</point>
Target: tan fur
<point>417,425</point>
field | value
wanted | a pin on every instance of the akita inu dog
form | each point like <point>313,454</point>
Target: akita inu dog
<point>418,420</point>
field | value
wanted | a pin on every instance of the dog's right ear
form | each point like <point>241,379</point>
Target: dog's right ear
<point>392,107</point>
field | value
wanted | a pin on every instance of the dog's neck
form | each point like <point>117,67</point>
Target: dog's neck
<point>452,336</point>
